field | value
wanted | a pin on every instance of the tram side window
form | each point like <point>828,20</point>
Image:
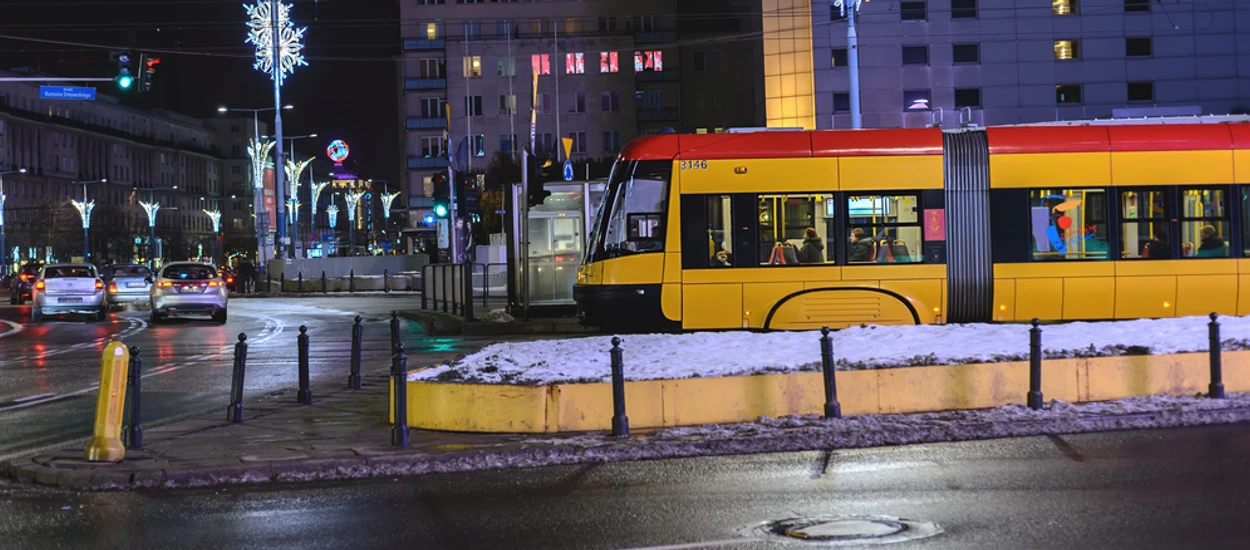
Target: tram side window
<point>884,229</point>
<point>1204,223</point>
<point>797,229</point>
<point>719,231</point>
<point>1068,224</point>
<point>1144,227</point>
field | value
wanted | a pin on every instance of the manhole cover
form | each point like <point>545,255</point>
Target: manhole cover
<point>848,530</point>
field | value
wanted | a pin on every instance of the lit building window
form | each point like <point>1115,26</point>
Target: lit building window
<point>541,63</point>
<point>1063,7</point>
<point>916,100</point>
<point>648,61</point>
<point>1067,49</point>
<point>431,31</point>
<point>473,66</point>
<point>574,63</point>
<point>608,62</point>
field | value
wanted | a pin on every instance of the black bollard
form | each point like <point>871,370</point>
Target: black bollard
<point>134,434</point>
<point>268,283</point>
<point>386,281</point>
<point>351,280</point>
<point>282,282</point>
<point>305,395</point>
<point>324,289</point>
<point>620,422</point>
<point>235,412</point>
<point>1216,390</point>
<point>1035,366</point>
<point>301,282</point>
<point>833,409</point>
<point>399,379</point>
<point>394,330</point>
<point>358,331</point>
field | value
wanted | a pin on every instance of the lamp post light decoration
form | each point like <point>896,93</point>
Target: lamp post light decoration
<point>215,216</point>
<point>258,152</point>
<point>151,208</point>
<point>387,200</point>
<point>317,188</point>
<point>84,209</point>
<point>292,209</point>
<point>293,172</point>
<point>353,200</point>
<point>279,50</point>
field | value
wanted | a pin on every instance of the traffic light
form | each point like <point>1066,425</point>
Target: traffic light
<point>125,78</point>
<point>540,169</point>
<point>149,71</point>
<point>468,197</point>
<point>442,206</point>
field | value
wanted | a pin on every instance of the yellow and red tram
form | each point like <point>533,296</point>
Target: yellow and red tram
<point>803,229</point>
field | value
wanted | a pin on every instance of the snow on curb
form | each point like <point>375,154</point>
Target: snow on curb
<point>717,354</point>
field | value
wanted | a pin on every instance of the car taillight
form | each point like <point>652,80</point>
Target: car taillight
<point>229,279</point>
<point>39,285</point>
<point>26,276</point>
<point>166,284</point>
<point>99,284</point>
<point>214,283</point>
<point>113,288</point>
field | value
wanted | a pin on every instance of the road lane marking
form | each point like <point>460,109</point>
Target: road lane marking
<point>16,328</point>
<point>30,397</point>
<point>703,544</point>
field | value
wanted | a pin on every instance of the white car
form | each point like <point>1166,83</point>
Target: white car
<point>182,288</point>
<point>68,289</point>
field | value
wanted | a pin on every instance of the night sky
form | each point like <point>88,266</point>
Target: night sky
<point>348,91</point>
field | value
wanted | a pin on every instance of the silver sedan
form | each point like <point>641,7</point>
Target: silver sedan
<point>68,289</point>
<point>127,283</point>
<point>182,288</point>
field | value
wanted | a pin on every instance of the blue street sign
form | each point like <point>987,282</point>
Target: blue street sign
<point>66,92</point>
<point>568,170</point>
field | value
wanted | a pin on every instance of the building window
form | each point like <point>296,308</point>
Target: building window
<point>1141,91</point>
<point>966,53</point>
<point>611,102</point>
<point>916,100</point>
<point>1068,93</point>
<point>1136,6</point>
<point>432,107</point>
<point>839,57</point>
<point>432,146</point>
<point>506,66</point>
<point>479,145</point>
<point>841,102</point>
<point>1204,223</point>
<point>1067,49</point>
<point>1137,47</point>
<point>579,142</point>
<point>608,62</point>
<point>544,105</point>
<point>473,105</point>
<point>507,143</point>
<point>430,2</point>
<point>1068,224</point>
<point>473,66</point>
<point>430,68</point>
<point>505,28</point>
<point>649,100</point>
<point>1064,7</point>
<point>473,30</point>
<point>611,141</point>
<point>431,31</point>
<point>1144,230</point>
<point>963,9</point>
<point>507,104</point>
<point>577,102</point>
<point>915,55</point>
<point>574,63</point>
<point>967,97</point>
<point>236,150</point>
<point>699,62</point>
<point>236,170</point>
<point>541,63</point>
<point>912,11</point>
<point>607,24</point>
<point>652,60</point>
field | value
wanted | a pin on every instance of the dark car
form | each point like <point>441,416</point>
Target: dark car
<point>231,277</point>
<point>23,284</point>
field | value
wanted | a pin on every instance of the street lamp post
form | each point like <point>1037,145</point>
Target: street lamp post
<point>151,207</point>
<point>850,9</point>
<point>84,209</point>
<point>215,216</point>
<point>353,200</point>
<point>294,170</point>
<point>258,152</point>
<point>4,245</point>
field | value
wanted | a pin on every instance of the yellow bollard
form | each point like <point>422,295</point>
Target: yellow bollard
<point>106,443</point>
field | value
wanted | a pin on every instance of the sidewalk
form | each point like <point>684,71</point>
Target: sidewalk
<point>345,435</point>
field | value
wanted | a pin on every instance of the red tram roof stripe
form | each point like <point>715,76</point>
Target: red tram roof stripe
<point>1170,137</point>
<point>1048,139</point>
<point>757,145</point>
<point>1240,134</point>
<point>873,143</point>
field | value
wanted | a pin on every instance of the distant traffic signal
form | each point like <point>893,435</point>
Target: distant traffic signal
<point>149,71</point>
<point>125,77</point>
<point>442,206</point>
<point>541,171</point>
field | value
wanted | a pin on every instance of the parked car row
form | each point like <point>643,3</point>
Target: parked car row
<point>178,288</point>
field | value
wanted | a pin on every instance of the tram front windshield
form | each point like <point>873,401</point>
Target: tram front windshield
<point>631,217</point>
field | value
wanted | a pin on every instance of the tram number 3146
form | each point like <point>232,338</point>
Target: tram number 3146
<point>694,165</point>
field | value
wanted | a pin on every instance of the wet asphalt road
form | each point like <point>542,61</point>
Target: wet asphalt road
<point>1181,488</point>
<point>49,371</point>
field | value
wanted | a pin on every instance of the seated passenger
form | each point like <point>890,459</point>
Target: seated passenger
<point>860,249</point>
<point>813,251</point>
<point>1212,246</point>
<point>1158,247</point>
<point>721,259</point>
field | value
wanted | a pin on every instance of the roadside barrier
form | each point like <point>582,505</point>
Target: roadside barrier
<point>106,444</point>
<point>1216,389</point>
<point>399,385</point>
<point>832,408</point>
<point>353,379</point>
<point>394,330</point>
<point>305,394</point>
<point>1034,397</point>
<point>134,433</point>
<point>324,289</point>
<point>234,413</point>
<point>620,422</point>
<point>386,281</point>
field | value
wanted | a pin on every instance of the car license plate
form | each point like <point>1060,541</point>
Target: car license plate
<point>189,290</point>
<point>134,285</point>
<point>69,300</point>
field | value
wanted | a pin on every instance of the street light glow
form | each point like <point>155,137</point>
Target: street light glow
<point>222,109</point>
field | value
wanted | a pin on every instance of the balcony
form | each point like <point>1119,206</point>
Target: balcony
<point>654,37</point>
<point>658,115</point>
<point>411,84</point>
<point>657,76</point>
<point>416,45</point>
<point>426,163</point>
<point>417,123</point>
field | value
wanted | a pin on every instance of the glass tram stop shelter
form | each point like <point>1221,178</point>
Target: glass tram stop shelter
<point>558,231</point>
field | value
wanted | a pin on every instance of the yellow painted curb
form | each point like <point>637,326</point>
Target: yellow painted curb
<point>499,408</point>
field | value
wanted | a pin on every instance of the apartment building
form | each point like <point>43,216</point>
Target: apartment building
<point>237,200</point>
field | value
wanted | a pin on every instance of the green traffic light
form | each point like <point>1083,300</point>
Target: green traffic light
<point>124,82</point>
<point>440,210</point>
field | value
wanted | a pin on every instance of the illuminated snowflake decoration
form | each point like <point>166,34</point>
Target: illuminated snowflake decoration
<point>333,211</point>
<point>84,209</point>
<point>844,5</point>
<point>260,32</point>
<point>259,153</point>
<point>293,172</point>
<point>2,197</point>
<point>353,200</point>
<point>150,208</point>
<point>214,215</point>
<point>292,210</point>
<point>387,199</point>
